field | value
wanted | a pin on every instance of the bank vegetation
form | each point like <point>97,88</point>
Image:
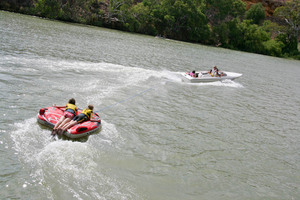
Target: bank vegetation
<point>225,23</point>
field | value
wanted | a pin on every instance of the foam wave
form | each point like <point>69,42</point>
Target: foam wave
<point>119,73</point>
<point>63,65</point>
<point>109,135</point>
<point>104,79</point>
<point>30,139</point>
<point>70,168</point>
<point>224,83</point>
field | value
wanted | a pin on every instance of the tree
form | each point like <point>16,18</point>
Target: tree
<point>290,12</point>
<point>256,13</point>
<point>254,37</point>
<point>219,11</point>
<point>183,20</point>
<point>143,19</point>
<point>273,47</point>
<point>48,8</point>
<point>114,10</point>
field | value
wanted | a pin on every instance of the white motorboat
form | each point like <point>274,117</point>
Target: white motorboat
<point>205,76</point>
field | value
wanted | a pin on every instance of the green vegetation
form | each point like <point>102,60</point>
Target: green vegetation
<point>290,13</point>
<point>256,13</point>
<point>224,23</point>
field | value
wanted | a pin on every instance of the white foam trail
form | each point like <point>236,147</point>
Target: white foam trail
<point>171,76</point>
<point>109,135</point>
<point>225,83</point>
<point>30,139</point>
<point>126,74</point>
<point>105,80</point>
<point>69,167</point>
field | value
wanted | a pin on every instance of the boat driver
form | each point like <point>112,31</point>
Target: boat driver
<point>214,71</point>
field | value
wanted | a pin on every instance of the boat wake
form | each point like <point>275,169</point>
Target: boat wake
<point>106,78</point>
<point>224,83</point>
<point>70,168</point>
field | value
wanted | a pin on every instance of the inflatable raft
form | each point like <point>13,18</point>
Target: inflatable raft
<point>49,116</point>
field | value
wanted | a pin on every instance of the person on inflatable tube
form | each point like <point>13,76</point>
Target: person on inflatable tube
<point>68,115</point>
<point>85,115</point>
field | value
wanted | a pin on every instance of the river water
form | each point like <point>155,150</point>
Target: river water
<point>161,138</point>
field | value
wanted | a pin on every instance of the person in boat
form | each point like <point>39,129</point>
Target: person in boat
<point>193,74</point>
<point>68,115</point>
<point>214,72</point>
<point>85,115</point>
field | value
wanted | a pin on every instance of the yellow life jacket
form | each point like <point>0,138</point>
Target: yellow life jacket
<point>88,113</point>
<point>71,106</point>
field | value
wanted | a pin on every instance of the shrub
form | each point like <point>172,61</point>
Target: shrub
<point>256,13</point>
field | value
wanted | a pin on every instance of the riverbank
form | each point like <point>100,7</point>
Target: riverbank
<point>213,24</point>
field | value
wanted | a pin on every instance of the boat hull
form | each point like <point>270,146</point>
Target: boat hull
<point>49,117</point>
<point>204,77</point>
